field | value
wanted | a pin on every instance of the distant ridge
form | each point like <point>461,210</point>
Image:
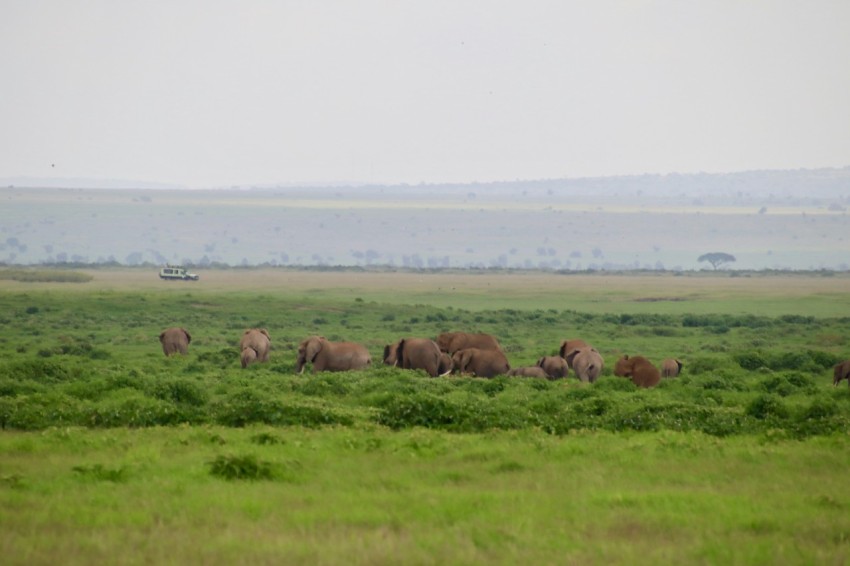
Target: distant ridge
<point>827,181</point>
<point>80,183</point>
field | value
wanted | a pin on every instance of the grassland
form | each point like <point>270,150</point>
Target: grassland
<point>112,453</point>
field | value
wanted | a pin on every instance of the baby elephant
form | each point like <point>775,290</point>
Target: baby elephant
<point>671,368</point>
<point>530,371</point>
<point>555,367</point>
<point>254,346</point>
<point>175,340</point>
<point>639,370</point>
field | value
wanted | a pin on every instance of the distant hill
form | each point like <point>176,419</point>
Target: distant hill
<point>791,185</point>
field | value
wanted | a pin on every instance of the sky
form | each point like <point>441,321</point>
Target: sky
<point>208,93</point>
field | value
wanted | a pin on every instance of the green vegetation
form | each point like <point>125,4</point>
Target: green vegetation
<point>110,449</point>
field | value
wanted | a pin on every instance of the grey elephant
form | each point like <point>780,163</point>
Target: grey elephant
<point>555,367</point>
<point>418,353</point>
<point>451,342</point>
<point>639,370</point>
<point>587,363</point>
<point>254,346</point>
<point>331,356</point>
<point>671,367</point>
<point>528,371</point>
<point>842,371</point>
<point>175,340</point>
<point>571,345</point>
<point>480,363</point>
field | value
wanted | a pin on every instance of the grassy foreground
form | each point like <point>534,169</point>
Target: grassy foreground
<point>338,495</point>
<point>112,453</point>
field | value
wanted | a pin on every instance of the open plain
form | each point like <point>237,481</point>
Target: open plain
<point>111,452</point>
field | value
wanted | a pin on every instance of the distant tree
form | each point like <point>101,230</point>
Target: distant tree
<point>716,259</point>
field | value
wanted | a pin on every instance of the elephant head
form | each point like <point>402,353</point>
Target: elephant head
<point>842,371</point>
<point>639,370</point>
<point>308,350</point>
<point>391,354</point>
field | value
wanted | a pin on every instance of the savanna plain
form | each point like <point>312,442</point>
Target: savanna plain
<point>112,453</point>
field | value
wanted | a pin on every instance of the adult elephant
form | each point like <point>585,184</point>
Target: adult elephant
<point>842,371</point>
<point>639,370</point>
<point>254,346</point>
<point>417,353</point>
<point>555,367</point>
<point>587,364</point>
<point>571,345</point>
<point>480,363</point>
<point>671,368</point>
<point>451,342</point>
<point>331,356</point>
<point>175,340</point>
<point>529,371</point>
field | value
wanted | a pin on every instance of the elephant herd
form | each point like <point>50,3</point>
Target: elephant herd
<point>463,353</point>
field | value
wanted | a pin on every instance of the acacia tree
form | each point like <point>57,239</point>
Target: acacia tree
<point>716,259</point>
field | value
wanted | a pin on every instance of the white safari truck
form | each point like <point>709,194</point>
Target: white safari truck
<point>177,273</point>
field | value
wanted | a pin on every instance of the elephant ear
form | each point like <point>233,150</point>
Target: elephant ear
<point>266,332</point>
<point>162,337</point>
<point>314,346</point>
<point>540,362</point>
<point>562,351</point>
<point>188,336</point>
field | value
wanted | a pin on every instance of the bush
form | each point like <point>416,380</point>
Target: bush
<point>180,391</point>
<point>249,406</point>
<point>765,407</point>
<point>246,467</point>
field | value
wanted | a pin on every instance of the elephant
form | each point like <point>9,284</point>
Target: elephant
<point>248,357</point>
<point>639,370</point>
<point>175,340</point>
<point>451,342</point>
<point>417,353</point>
<point>480,363</point>
<point>842,371</point>
<point>555,367</point>
<point>254,346</point>
<point>568,346</point>
<point>671,367</point>
<point>587,363</point>
<point>331,356</point>
<point>530,371</point>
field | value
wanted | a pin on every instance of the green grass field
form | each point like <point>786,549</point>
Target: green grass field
<point>112,453</point>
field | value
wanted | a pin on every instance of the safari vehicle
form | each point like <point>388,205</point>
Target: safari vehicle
<point>177,273</point>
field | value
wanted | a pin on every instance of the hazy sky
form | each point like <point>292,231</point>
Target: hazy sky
<point>215,93</point>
